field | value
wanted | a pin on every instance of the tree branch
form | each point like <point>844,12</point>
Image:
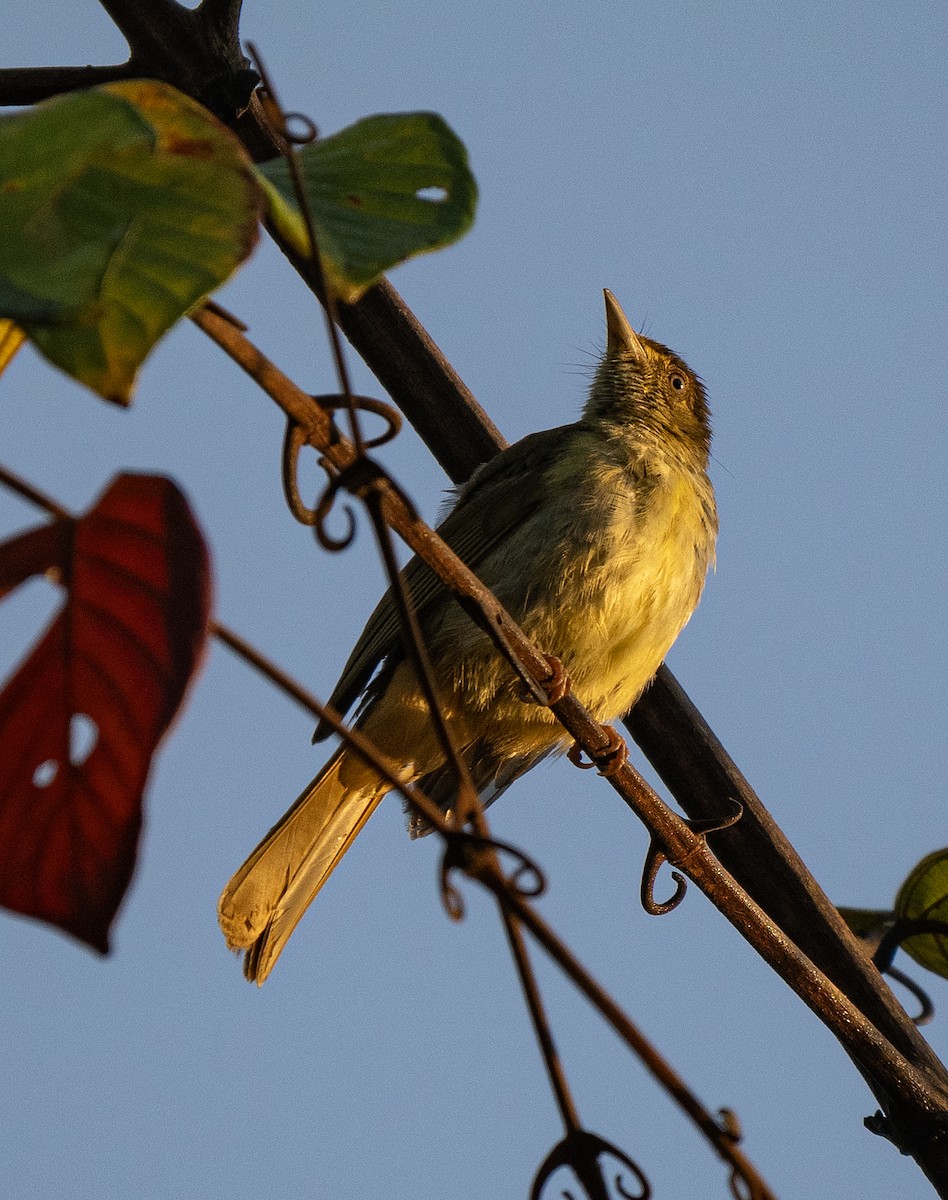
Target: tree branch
<point>681,845</point>
<point>30,85</point>
<point>195,50</point>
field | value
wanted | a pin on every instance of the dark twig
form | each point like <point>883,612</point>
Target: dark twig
<point>22,487</point>
<point>196,50</point>
<point>30,85</point>
<point>145,27</point>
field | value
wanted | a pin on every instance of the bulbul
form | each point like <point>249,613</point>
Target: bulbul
<point>596,537</point>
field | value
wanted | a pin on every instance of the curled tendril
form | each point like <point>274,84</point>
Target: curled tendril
<point>706,825</point>
<point>927,1009</point>
<point>389,414</point>
<point>305,130</point>
<point>575,756</point>
<point>900,930</point>
<point>280,120</point>
<point>656,857</point>
<point>293,442</point>
<point>451,896</point>
<point>361,478</point>
<point>295,439</point>
<point>526,881</point>
<point>321,515</point>
<point>654,860</point>
<point>580,1152</point>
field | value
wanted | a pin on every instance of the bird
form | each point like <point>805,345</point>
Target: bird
<point>596,536</point>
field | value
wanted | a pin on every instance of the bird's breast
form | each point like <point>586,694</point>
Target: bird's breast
<point>603,577</point>
<point>621,583</point>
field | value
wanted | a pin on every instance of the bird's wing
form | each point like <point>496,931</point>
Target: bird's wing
<point>499,496</point>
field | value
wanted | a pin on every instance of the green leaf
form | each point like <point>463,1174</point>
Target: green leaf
<point>380,191</point>
<point>924,897</point>
<point>120,208</point>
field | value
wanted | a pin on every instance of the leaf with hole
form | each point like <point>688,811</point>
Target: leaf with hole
<point>120,208</point>
<point>380,191</point>
<point>81,718</point>
<point>924,897</point>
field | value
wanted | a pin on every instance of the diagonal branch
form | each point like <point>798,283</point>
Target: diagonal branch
<point>672,733</point>
<point>679,843</point>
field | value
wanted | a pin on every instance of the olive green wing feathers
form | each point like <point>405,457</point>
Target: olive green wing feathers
<point>495,501</point>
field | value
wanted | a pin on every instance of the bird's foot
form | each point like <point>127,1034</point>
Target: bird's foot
<point>548,691</point>
<point>609,760</point>
<point>555,686</point>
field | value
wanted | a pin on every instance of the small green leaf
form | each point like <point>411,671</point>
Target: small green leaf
<point>120,208</point>
<point>381,191</point>
<point>924,897</point>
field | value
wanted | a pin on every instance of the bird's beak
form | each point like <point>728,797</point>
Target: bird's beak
<point>622,338</point>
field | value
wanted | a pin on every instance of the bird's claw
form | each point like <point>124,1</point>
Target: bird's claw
<point>555,686</point>
<point>611,759</point>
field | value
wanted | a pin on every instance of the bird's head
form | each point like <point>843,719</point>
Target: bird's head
<point>643,388</point>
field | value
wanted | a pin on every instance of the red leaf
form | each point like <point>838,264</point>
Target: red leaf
<point>83,715</point>
<point>33,553</point>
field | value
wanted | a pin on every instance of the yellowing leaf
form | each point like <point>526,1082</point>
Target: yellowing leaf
<point>120,208</point>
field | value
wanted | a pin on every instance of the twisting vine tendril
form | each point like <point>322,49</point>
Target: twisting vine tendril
<point>580,1152</point>
<point>461,853</point>
<point>656,857</point>
<point>361,476</point>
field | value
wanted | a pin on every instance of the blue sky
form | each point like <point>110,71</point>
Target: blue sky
<point>764,190</point>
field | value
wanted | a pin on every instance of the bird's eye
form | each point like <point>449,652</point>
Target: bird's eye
<point>678,382</point>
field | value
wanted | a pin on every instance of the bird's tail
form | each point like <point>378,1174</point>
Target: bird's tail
<point>265,900</point>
